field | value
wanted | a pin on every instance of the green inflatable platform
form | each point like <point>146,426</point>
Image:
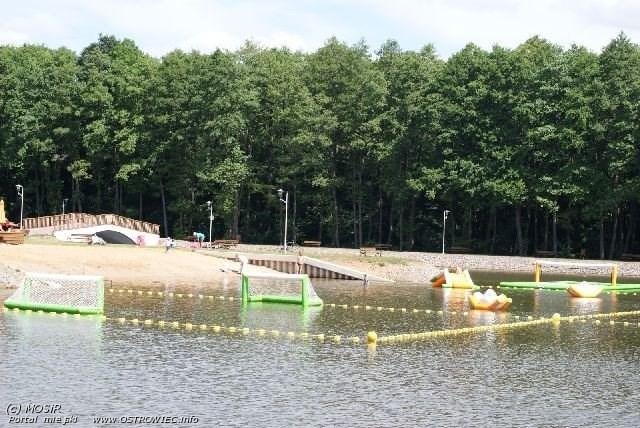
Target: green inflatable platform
<point>563,285</point>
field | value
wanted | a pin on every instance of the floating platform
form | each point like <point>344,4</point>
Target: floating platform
<point>563,285</point>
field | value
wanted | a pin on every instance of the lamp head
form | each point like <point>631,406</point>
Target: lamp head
<point>280,192</point>
<point>209,203</point>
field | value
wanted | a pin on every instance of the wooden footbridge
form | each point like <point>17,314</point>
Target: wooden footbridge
<point>313,267</point>
<point>66,226</point>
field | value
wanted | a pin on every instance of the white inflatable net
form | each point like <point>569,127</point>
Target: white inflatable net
<point>64,293</point>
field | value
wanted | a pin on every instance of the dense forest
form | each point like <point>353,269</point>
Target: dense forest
<point>532,149</point>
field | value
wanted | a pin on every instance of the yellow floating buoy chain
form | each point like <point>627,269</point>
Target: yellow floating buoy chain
<point>555,318</point>
<point>355,307</point>
<point>171,294</point>
<point>245,331</point>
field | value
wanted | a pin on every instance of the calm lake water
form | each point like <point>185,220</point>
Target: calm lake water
<point>574,375</point>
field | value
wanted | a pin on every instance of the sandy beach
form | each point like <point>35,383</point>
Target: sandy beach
<point>153,267</point>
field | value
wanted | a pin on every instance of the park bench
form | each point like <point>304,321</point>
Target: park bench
<point>459,250</point>
<point>383,247</point>
<point>364,251</point>
<point>544,253</point>
<point>311,243</point>
<point>225,243</point>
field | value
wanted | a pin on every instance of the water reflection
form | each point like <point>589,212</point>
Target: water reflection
<point>546,375</point>
<point>588,305</point>
<point>272,316</point>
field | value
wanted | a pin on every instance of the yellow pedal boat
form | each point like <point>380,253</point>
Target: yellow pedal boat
<point>584,289</point>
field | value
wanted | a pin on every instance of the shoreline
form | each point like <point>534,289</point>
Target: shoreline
<point>151,267</point>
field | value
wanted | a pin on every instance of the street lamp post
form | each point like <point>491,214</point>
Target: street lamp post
<point>64,201</point>
<point>285,201</point>
<point>210,205</point>
<point>20,190</point>
<point>445,214</point>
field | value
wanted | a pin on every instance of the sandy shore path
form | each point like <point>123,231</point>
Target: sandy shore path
<point>152,267</point>
<point>119,264</point>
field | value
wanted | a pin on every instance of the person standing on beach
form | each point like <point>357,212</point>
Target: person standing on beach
<point>167,244</point>
<point>199,238</point>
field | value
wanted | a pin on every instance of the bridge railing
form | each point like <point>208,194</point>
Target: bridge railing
<point>77,220</point>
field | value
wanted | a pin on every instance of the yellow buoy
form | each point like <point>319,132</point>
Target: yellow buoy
<point>372,337</point>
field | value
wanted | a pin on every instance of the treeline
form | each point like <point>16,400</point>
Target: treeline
<point>531,149</point>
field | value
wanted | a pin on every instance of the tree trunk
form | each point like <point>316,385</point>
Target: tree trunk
<point>535,231</point>
<point>390,234</point>
<point>360,206</point>
<point>519,240</point>
<point>294,227</point>
<point>546,232</point>
<point>601,236</point>
<point>630,231</point>
<point>379,215</point>
<point>487,230</point>
<point>336,220</point>
<point>614,233</point>
<point>115,196</point>
<point>554,233</point>
<point>494,228</point>
<point>452,230</point>
<point>401,227</point>
<point>354,213</point>
<point>164,209</point>
<point>246,228</point>
<point>469,224</point>
<point>412,224</point>
<point>236,215</point>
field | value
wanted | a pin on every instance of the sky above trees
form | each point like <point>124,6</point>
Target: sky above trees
<point>160,26</point>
